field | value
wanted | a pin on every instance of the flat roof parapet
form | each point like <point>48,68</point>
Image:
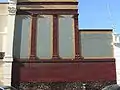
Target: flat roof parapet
<point>47,1</point>
<point>96,30</point>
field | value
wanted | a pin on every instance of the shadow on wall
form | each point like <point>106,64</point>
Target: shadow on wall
<point>117,44</point>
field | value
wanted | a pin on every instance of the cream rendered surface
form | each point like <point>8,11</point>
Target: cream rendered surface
<point>117,55</point>
<point>3,37</point>
<point>6,36</point>
<point>47,6</point>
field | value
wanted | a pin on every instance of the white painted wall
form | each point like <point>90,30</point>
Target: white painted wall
<point>116,43</point>
<point>3,37</point>
<point>6,34</point>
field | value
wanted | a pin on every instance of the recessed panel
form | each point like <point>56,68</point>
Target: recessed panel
<point>44,36</point>
<point>66,36</point>
<point>96,45</point>
<point>22,36</point>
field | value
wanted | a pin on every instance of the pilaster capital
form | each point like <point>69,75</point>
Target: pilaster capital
<point>12,7</point>
<point>75,16</point>
<point>12,1</point>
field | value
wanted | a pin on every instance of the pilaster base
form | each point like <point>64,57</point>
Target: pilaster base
<point>78,57</point>
<point>7,69</point>
<point>56,57</point>
<point>1,72</point>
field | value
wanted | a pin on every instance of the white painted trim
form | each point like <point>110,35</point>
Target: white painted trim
<point>3,33</point>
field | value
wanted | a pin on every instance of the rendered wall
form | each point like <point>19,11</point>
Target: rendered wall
<point>6,44</point>
<point>3,38</point>
<point>116,44</point>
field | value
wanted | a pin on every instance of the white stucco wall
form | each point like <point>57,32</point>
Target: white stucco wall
<point>3,36</point>
<point>116,43</point>
<point>6,44</point>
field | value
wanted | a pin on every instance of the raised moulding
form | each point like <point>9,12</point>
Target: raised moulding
<point>12,7</point>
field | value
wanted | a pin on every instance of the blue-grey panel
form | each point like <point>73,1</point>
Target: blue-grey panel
<point>66,37</point>
<point>17,37</point>
<point>21,36</point>
<point>25,38</point>
<point>44,38</point>
<point>96,44</point>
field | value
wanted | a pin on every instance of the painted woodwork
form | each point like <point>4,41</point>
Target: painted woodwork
<point>48,12</point>
<point>33,37</point>
<point>17,37</point>
<point>21,36</point>
<point>43,7</point>
<point>99,42</point>
<point>47,0</point>
<point>47,3</point>
<point>65,71</point>
<point>69,72</point>
<point>55,65</point>
<point>66,36</point>
<point>44,36</point>
<point>25,39</point>
<point>55,33</point>
<point>55,37</point>
<point>77,43</point>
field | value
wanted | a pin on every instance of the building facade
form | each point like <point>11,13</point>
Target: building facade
<point>41,42</point>
<point>116,45</point>
<point>6,43</point>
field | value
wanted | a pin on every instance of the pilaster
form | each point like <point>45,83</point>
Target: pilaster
<point>3,38</point>
<point>7,40</point>
<point>116,47</point>
<point>33,38</point>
